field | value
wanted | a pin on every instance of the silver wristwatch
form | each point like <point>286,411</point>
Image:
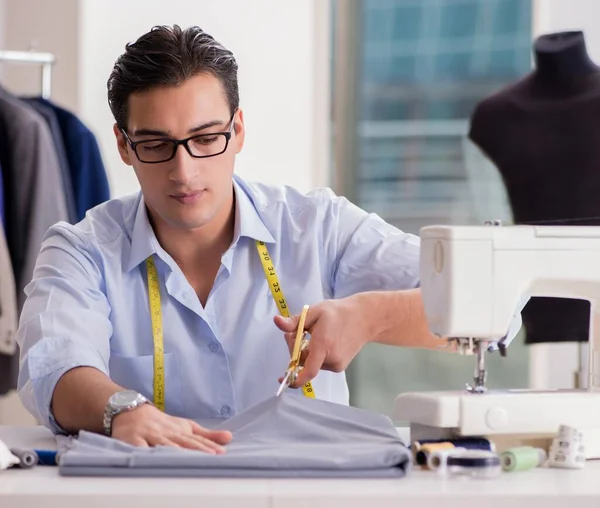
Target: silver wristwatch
<point>119,402</point>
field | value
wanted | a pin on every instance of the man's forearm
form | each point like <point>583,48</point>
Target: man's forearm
<point>80,397</point>
<point>399,319</point>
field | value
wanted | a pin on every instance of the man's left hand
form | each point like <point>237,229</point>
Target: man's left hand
<point>338,331</point>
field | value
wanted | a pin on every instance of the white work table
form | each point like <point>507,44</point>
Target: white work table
<point>42,485</point>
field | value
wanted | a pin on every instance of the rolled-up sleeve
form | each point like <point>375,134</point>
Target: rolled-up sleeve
<point>370,254</point>
<point>65,322</point>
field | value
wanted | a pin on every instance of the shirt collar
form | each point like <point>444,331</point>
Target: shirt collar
<point>248,223</point>
<point>143,240</point>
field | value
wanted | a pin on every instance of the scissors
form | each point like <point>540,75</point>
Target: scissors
<point>300,344</point>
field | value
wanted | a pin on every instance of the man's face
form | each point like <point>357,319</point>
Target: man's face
<point>184,192</point>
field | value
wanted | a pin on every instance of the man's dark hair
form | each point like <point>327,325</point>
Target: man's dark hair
<point>167,56</point>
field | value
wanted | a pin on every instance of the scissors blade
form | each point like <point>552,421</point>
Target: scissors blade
<point>284,383</point>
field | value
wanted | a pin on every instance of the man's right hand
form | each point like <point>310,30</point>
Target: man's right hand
<point>148,426</point>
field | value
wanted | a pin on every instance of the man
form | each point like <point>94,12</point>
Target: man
<point>187,253</point>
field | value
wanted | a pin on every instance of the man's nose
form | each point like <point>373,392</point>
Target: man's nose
<point>183,165</point>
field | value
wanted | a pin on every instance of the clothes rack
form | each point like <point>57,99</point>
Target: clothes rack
<point>45,59</point>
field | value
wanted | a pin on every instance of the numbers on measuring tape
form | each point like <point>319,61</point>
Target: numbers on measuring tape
<point>157,324</point>
<point>278,297</point>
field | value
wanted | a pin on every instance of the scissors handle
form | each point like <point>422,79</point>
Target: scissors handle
<point>300,345</point>
<point>300,333</point>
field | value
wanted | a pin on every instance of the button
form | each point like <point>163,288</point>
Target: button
<point>214,347</point>
<point>225,410</point>
<point>496,418</point>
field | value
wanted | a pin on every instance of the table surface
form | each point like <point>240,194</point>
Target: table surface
<point>549,487</point>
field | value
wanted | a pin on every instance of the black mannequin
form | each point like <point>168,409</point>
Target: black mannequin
<point>561,61</point>
<point>543,135</point>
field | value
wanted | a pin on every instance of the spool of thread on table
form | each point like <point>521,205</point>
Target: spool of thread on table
<point>522,458</point>
<point>28,458</point>
<point>568,449</point>
<point>438,459</point>
<point>47,457</point>
<point>423,454</point>
<point>474,463</point>
<point>470,443</point>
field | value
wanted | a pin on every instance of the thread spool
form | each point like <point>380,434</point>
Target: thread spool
<point>564,461</point>
<point>27,458</point>
<point>438,459</point>
<point>423,454</point>
<point>567,450</point>
<point>570,433</point>
<point>564,430</point>
<point>475,464</point>
<point>522,458</point>
<point>470,443</point>
<point>48,457</point>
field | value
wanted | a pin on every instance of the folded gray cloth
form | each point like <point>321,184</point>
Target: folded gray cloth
<point>287,436</point>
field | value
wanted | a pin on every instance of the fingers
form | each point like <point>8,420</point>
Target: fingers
<point>290,338</point>
<point>138,441</point>
<point>314,361</point>
<point>218,436</point>
<point>161,441</point>
<point>147,426</point>
<point>290,324</point>
<point>200,443</point>
<point>287,325</point>
<point>190,441</point>
<point>303,356</point>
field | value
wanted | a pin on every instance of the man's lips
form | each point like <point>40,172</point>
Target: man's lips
<point>187,197</point>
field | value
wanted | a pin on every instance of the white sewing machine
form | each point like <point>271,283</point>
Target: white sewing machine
<point>473,278</point>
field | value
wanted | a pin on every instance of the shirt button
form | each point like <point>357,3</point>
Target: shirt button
<point>214,347</point>
<point>225,410</point>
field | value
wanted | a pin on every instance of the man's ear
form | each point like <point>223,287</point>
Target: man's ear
<point>240,131</point>
<point>122,145</point>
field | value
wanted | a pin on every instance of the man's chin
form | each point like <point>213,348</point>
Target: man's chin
<point>188,225</point>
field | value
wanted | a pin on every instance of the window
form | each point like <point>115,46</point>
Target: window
<point>407,75</point>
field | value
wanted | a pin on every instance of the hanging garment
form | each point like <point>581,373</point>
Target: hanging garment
<point>33,198</point>
<point>2,217</point>
<point>50,117</point>
<point>88,176</point>
<point>8,300</point>
<point>285,436</point>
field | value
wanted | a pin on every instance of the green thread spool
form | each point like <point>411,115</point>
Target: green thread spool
<point>522,458</point>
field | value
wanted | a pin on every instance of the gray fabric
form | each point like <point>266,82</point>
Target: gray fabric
<point>289,436</point>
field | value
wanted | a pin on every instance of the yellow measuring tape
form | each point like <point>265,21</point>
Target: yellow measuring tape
<point>157,335</point>
<point>277,293</point>
<point>157,328</point>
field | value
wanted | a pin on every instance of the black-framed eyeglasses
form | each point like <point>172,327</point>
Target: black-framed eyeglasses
<point>199,146</point>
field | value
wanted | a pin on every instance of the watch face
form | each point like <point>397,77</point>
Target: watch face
<point>124,399</point>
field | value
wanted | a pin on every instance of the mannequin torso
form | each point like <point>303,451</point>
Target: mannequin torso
<point>543,135</point>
